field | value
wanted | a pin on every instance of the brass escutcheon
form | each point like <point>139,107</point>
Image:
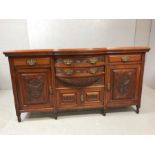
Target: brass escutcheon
<point>31,62</point>
<point>68,61</point>
<point>68,71</point>
<point>93,60</point>
<point>125,58</point>
<point>93,70</point>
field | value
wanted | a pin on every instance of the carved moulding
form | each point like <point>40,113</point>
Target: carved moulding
<point>79,82</point>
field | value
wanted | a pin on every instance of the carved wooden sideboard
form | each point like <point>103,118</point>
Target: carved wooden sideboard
<point>66,79</point>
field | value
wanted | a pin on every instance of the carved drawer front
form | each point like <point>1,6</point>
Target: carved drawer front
<point>92,96</point>
<point>125,58</point>
<point>34,88</point>
<point>79,61</point>
<point>32,61</point>
<point>67,98</point>
<point>79,81</point>
<point>79,72</point>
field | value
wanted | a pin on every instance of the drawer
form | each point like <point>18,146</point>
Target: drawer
<point>67,98</point>
<point>31,61</point>
<point>79,72</point>
<point>79,81</point>
<point>124,58</point>
<point>76,61</point>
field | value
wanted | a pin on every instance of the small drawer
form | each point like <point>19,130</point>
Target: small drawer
<point>124,58</point>
<point>79,72</point>
<point>76,61</point>
<point>31,61</point>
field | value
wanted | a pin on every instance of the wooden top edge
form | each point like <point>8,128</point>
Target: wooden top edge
<point>36,52</point>
<point>79,49</point>
<point>135,48</point>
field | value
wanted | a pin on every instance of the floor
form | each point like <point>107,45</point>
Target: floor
<point>117,121</point>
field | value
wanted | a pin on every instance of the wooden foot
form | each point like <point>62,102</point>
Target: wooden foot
<point>137,109</point>
<point>55,115</point>
<point>104,112</point>
<point>19,118</point>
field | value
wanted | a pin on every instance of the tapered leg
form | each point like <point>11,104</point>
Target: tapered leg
<point>137,109</point>
<point>104,112</point>
<point>55,115</point>
<point>19,118</point>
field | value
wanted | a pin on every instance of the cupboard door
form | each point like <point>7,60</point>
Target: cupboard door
<point>92,96</point>
<point>67,98</point>
<point>123,84</point>
<point>35,88</point>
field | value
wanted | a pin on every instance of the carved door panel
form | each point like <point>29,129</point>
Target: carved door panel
<point>123,84</point>
<point>67,98</point>
<point>92,96</point>
<point>35,88</point>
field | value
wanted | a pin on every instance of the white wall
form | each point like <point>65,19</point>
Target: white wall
<point>81,33</point>
<point>149,74</point>
<point>22,34</point>
<point>13,35</point>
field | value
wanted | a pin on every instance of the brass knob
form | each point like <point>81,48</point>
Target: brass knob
<point>68,71</point>
<point>125,59</point>
<point>68,61</point>
<point>93,60</point>
<point>93,70</point>
<point>31,62</point>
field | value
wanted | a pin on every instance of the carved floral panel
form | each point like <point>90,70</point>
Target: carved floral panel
<point>123,83</point>
<point>35,88</point>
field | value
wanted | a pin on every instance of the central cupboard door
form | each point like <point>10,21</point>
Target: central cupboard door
<point>35,88</point>
<point>122,85</point>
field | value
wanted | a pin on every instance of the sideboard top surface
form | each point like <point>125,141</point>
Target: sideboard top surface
<point>74,51</point>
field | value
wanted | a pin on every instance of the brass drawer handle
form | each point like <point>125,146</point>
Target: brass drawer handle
<point>93,60</point>
<point>68,71</point>
<point>68,61</point>
<point>31,62</point>
<point>93,70</point>
<point>125,59</point>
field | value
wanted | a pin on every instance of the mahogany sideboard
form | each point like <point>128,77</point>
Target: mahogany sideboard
<point>67,79</point>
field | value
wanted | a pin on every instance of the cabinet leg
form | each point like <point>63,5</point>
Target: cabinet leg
<point>55,115</point>
<point>104,112</point>
<point>19,118</point>
<point>137,109</point>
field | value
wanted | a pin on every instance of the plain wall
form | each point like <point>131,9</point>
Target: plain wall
<point>24,34</point>
<point>80,33</point>
<point>13,35</point>
<point>149,74</point>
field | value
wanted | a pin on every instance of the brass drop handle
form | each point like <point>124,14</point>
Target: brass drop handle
<point>31,62</point>
<point>93,60</point>
<point>93,70</point>
<point>82,98</point>
<point>68,61</point>
<point>68,71</point>
<point>50,90</point>
<point>108,87</point>
<point>125,59</point>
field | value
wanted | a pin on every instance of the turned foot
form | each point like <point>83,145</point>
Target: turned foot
<point>19,118</point>
<point>55,115</point>
<point>104,112</point>
<point>137,109</point>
